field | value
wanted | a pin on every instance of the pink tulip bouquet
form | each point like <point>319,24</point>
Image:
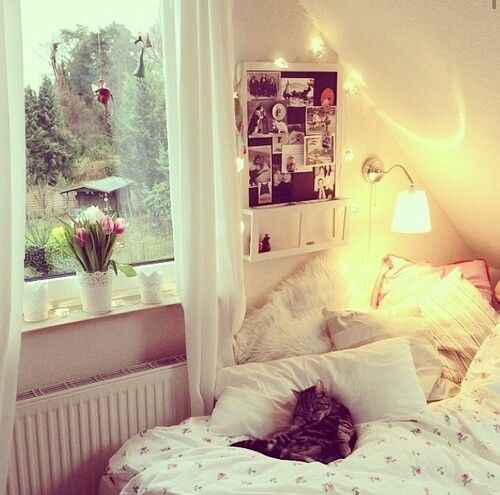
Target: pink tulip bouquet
<point>91,238</point>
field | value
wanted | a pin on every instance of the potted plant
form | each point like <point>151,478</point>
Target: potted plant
<point>91,238</point>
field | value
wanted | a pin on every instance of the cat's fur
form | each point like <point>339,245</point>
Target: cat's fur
<point>322,430</point>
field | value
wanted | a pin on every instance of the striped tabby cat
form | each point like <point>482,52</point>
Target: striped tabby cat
<point>322,430</point>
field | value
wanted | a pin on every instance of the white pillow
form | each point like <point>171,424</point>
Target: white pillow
<point>375,382</point>
<point>405,282</point>
<point>351,329</point>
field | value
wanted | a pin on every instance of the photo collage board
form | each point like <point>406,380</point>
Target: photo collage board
<point>291,135</point>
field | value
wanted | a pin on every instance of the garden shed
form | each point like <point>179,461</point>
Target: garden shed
<point>112,194</point>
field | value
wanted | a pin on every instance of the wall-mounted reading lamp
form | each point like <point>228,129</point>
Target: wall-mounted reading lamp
<point>411,214</point>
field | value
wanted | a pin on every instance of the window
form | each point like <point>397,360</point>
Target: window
<point>110,152</point>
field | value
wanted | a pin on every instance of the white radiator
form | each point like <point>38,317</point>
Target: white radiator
<point>64,435</point>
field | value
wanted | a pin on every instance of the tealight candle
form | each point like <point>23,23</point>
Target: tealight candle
<point>62,312</point>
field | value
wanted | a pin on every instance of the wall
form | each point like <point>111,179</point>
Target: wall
<point>284,28</point>
<point>432,68</point>
<point>91,347</point>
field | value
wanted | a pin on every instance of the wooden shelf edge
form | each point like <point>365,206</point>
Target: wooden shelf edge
<point>283,253</point>
<point>291,208</point>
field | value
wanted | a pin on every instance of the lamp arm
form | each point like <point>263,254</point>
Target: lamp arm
<point>412,183</point>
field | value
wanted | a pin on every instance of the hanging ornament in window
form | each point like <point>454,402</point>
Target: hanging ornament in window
<point>101,92</point>
<point>140,70</point>
<point>103,95</point>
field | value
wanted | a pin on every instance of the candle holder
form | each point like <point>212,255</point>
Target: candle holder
<point>35,301</point>
<point>150,285</point>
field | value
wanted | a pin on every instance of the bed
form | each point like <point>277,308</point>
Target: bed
<point>451,446</point>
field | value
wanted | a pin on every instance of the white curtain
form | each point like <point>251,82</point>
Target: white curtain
<point>206,210</point>
<point>12,194</point>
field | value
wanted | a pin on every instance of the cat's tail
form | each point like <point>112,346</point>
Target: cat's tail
<point>266,447</point>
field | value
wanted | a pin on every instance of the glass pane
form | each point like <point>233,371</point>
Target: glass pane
<point>95,127</point>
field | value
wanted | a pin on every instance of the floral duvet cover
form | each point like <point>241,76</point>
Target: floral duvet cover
<point>451,449</point>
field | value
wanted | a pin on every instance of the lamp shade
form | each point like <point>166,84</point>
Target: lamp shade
<point>411,215</point>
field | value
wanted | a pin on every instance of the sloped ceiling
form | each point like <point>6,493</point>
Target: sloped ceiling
<point>432,71</point>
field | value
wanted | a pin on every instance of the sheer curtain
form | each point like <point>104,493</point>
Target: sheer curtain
<point>12,193</point>
<point>206,211</point>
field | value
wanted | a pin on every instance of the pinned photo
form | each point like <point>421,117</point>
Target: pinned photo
<point>265,193</point>
<point>282,185</point>
<point>327,98</point>
<point>292,159</point>
<point>324,182</point>
<point>262,85</point>
<point>259,165</point>
<point>278,141</point>
<point>319,150</point>
<point>260,119</point>
<point>320,120</point>
<point>295,134</point>
<point>297,91</point>
<point>279,112</point>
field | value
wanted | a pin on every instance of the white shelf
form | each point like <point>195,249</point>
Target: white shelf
<point>261,220</point>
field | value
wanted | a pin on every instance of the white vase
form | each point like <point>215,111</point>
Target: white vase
<point>150,287</point>
<point>96,290</point>
<point>35,301</point>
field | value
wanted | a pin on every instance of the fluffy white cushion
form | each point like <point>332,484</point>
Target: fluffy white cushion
<point>290,323</point>
<point>460,319</point>
<point>351,329</point>
<point>377,381</point>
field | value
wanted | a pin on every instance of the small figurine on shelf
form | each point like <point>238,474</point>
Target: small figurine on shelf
<point>265,244</point>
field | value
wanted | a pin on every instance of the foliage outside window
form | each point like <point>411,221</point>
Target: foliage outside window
<point>77,156</point>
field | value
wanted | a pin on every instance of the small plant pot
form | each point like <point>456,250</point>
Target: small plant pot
<point>151,287</point>
<point>35,301</point>
<point>96,291</point>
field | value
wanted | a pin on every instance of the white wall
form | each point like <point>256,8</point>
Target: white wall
<point>263,30</point>
<point>95,346</point>
<point>284,29</point>
<point>432,68</point>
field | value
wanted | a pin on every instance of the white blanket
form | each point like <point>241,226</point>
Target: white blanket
<point>453,448</point>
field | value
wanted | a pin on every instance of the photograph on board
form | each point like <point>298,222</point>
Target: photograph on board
<point>259,165</point>
<point>319,150</point>
<point>297,91</point>
<point>320,120</point>
<point>324,182</point>
<point>262,85</point>
<point>265,193</point>
<point>292,158</point>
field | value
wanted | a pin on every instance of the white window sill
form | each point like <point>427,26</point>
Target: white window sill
<point>131,303</point>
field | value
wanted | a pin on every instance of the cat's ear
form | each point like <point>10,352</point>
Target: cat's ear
<point>296,393</point>
<point>320,386</point>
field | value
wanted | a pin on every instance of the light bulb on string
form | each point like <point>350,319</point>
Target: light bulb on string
<point>281,63</point>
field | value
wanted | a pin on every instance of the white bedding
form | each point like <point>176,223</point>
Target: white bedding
<point>453,448</point>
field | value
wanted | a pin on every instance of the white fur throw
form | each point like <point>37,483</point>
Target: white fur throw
<point>291,322</point>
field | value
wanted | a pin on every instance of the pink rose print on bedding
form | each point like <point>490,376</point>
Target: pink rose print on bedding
<point>466,479</point>
<point>416,470</point>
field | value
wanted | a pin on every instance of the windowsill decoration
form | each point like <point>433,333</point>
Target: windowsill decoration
<point>150,285</point>
<point>91,239</point>
<point>35,302</point>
